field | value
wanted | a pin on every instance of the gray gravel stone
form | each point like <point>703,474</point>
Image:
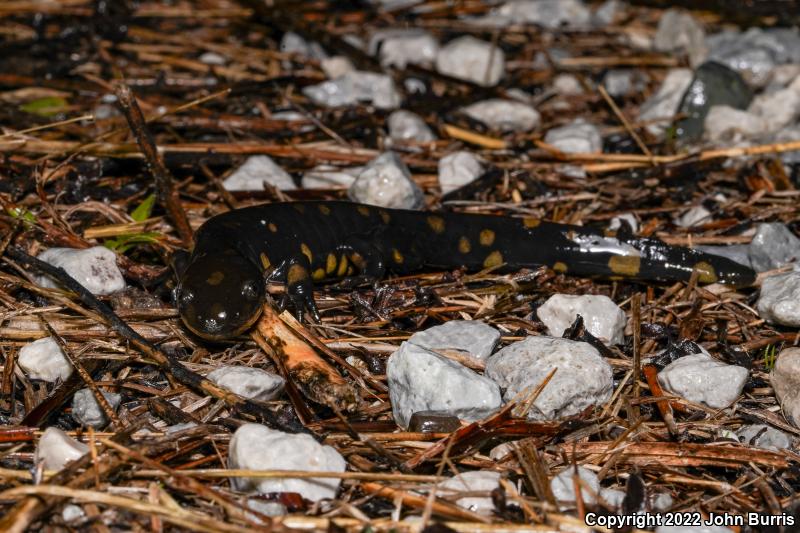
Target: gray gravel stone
<point>601,316</point>
<point>407,126</point>
<point>701,378</point>
<point>504,115</point>
<point>773,246</point>
<point>470,59</point>
<point>583,378</point>
<point>95,268</point>
<point>458,169</point>
<point>421,380</point>
<point>785,379</point>
<point>679,31</point>
<point>257,171</point>
<point>563,486</point>
<point>763,436</point>
<point>478,481</point>
<point>386,182</point>
<point>472,336</point>
<point>43,359</point>
<point>248,382</point>
<point>577,137</point>
<point>663,105</point>
<point>779,299</point>
<point>87,411</point>
<point>355,87</point>
<point>55,449</point>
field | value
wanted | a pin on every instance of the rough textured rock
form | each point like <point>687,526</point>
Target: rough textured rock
<point>763,436</point>
<point>355,87</point>
<point>701,378</point>
<point>257,447</point>
<point>479,481</point>
<point>756,52</point>
<point>471,336</point>
<point>470,59</point>
<point>504,115</point>
<point>577,137</point>
<point>421,380</point>
<point>248,382</point>
<point>95,268</point>
<point>663,105</point>
<point>257,171</point>
<point>407,126</point>
<point>785,378</point>
<point>457,169</point>
<point>55,449</point>
<point>695,216</point>
<point>546,13</point>
<point>583,377</point>
<point>400,47</point>
<point>622,82</point>
<point>43,359</point>
<point>327,176</point>
<point>601,316</point>
<point>773,246</point>
<point>726,124</point>
<point>386,182</point>
<point>779,299</point>
<point>87,411</point>
<point>563,486</point>
<point>679,31</point>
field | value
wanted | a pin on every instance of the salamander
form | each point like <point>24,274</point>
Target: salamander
<point>222,288</point>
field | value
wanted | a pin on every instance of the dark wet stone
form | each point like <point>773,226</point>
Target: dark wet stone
<point>713,84</point>
<point>433,422</point>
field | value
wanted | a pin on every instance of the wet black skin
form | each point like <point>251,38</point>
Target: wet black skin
<point>222,289</point>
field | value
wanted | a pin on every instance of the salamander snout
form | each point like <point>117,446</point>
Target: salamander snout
<point>220,297</point>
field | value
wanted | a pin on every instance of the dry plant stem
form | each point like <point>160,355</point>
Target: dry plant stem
<point>636,317</point>
<point>167,195</point>
<point>419,502</point>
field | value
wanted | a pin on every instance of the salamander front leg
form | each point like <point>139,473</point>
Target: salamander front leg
<point>299,288</point>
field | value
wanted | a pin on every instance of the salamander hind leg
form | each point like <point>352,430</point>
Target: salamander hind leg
<point>299,288</point>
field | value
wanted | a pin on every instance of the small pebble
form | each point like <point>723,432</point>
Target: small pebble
<point>777,109</point>
<point>336,66</point>
<point>292,43</point>
<point>478,481</point>
<point>72,512</point>
<point>177,428</point>
<point>545,13</point>
<point>386,182</point>
<point>583,378</point>
<point>399,48</point>
<point>622,82</point>
<point>785,379</point>
<point>773,246</point>
<point>679,31</point>
<point>266,508</point>
<point>702,379</point>
<point>328,176</point>
<point>470,59</point>
<point>601,316</point>
<point>257,171</point>
<point>577,137</point>
<point>458,169</point>
<point>407,126</point>
<point>421,380</point>
<point>630,218</point>
<point>695,216</point>
<point>95,268</point>
<point>257,447</point>
<point>756,52</point>
<point>56,449</point>
<point>504,115</point>
<point>567,85</point>
<point>433,422</point>
<point>355,87</point>
<point>212,58</point>
<point>43,359</point>
<point>471,336</point>
<point>248,382</point>
<point>726,124</point>
<point>86,411</point>
<point>563,486</point>
<point>663,105</point>
<point>612,497</point>
<point>779,299</point>
<point>763,436</point>
<point>501,451</point>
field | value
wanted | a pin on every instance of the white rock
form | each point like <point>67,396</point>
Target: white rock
<point>607,13</point>
<point>257,171</point>
<point>407,126</point>
<point>504,115</point>
<point>399,48</point>
<point>630,218</point>
<point>779,300</point>
<point>577,137</point>
<point>177,428</point>
<point>702,379</point>
<point>693,529</point>
<point>336,66</point>
<point>472,336</point>
<point>661,501</point>
<point>724,123</point>
<point>582,378</point>
<point>679,31</point>
<point>777,109</point>
<point>271,509</point>
<point>695,216</point>
<point>95,268</point>
<point>327,176</point>
<point>622,82</point>
<point>56,449</point>
<point>470,59</point>
<point>421,380</point>
<point>567,85</point>
<point>248,382</point>
<point>546,13</point>
<point>612,497</point>
<point>355,87</point>
<point>257,447</point>
<point>212,58</point>
<point>43,359</point>
<point>386,182</point>
<point>773,246</point>
<point>72,512</point>
<point>292,43</point>
<point>502,450</point>
<point>601,316</point>
<point>477,481</point>
<point>458,169</point>
<point>663,105</point>
<point>785,379</point>
<point>563,486</point>
<point>763,436</point>
<point>87,411</point>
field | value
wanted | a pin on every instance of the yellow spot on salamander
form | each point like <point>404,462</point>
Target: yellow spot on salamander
<point>560,267</point>
<point>358,260</point>
<point>530,222</point>
<point>397,256</point>
<point>493,259</point>
<point>436,224</point>
<point>487,237</point>
<point>350,271</point>
<point>363,210</point>
<point>296,273</point>
<point>330,264</point>
<point>215,278</point>
<point>306,251</point>
<point>319,274</point>
<point>385,216</point>
<point>324,209</point>
<point>265,261</point>
<point>707,272</point>
<point>625,265</point>
<point>464,245</point>
<point>272,227</point>
<point>342,266</point>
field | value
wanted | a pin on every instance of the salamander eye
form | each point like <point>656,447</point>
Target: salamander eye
<point>249,290</point>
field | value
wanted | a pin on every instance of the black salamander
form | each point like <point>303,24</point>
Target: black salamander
<point>222,289</point>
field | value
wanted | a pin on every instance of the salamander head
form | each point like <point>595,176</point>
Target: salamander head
<point>220,296</point>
